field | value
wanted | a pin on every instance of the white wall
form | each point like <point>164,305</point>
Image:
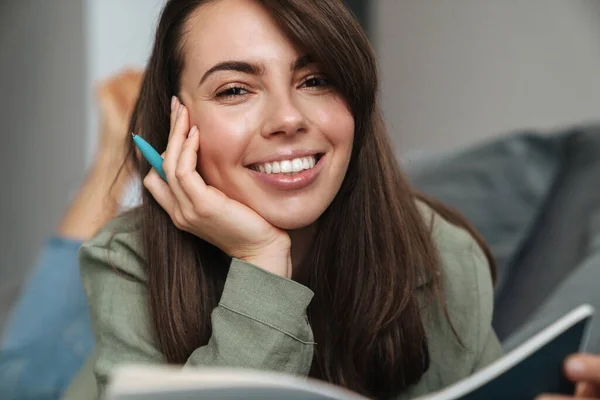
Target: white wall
<point>120,33</point>
<point>461,70</point>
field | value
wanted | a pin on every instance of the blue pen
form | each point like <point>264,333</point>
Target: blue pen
<point>150,155</point>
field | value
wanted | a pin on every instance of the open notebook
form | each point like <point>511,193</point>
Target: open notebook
<point>532,368</point>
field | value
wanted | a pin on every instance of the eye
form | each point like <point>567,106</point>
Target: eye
<point>316,82</point>
<point>233,91</point>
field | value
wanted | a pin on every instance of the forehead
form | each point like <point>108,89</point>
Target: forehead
<point>234,30</point>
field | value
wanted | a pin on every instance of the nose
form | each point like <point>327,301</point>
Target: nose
<point>284,117</point>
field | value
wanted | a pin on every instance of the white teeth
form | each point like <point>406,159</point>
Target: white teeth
<point>297,165</point>
<point>276,167</point>
<point>291,167</point>
<point>286,166</point>
<point>305,163</point>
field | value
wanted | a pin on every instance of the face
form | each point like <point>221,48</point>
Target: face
<point>274,133</point>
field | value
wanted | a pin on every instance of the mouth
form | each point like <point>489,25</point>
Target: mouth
<point>292,166</point>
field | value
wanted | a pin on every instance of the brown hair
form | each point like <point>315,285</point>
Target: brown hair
<point>372,244</point>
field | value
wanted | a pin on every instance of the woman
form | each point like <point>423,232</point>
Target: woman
<point>286,237</point>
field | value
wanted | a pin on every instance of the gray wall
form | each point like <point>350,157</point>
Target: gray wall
<point>461,70</point>
<point>43,126</point>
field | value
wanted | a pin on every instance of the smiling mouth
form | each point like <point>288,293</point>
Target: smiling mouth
<point>292,166</point>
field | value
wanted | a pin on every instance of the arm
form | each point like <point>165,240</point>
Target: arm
<point>489,348</point>
<point>469,293</point>
<point>260,322</point>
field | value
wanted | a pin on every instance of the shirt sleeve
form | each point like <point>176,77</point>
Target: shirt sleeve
<point>49,322</point>
<point>488,347</point>
<point>259,323</point>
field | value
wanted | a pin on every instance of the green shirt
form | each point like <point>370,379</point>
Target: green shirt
<point>261,323</point>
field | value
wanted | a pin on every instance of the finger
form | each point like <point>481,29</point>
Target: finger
<point>175,111</point>
<point>179,131</point>
<point>177,137</point>
<point>583,368</point>
<point>190,180</point>
<point>172,154</point>
<point>161,192</point>
<point>587,389</point>
<point>561,397</point>
<point>172,114</point>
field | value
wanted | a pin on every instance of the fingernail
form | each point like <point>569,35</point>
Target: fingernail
<point>173,102</point>
<point>575,366</point>
<point>179,110</point>
<point>193,131</point>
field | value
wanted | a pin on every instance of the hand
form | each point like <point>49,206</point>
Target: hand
<point>116,99</point>
<point>584,369</point>
<point>208,213</point>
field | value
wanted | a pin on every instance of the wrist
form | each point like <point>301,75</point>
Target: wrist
<point>276,259</point>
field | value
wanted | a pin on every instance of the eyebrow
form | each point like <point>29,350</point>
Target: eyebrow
<point>252,69</point>
<point>303,62</point>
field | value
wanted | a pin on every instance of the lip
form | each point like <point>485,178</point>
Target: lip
<point>285,182</point>
<point>285,155</point>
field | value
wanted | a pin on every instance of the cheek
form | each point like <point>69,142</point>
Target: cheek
<point>223,141</point>
<point>336,123</point>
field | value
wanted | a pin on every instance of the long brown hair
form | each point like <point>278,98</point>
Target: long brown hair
<point>372,244</point>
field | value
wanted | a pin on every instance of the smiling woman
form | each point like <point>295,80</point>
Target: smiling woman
<point>286,238</point>
<point>270,104</point>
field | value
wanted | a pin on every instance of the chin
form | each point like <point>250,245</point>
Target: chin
<point>291,220</point>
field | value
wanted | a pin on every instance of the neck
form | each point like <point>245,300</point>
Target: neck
<point>302,240</point>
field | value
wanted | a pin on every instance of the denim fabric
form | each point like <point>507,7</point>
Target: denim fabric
<point>48,335</point>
